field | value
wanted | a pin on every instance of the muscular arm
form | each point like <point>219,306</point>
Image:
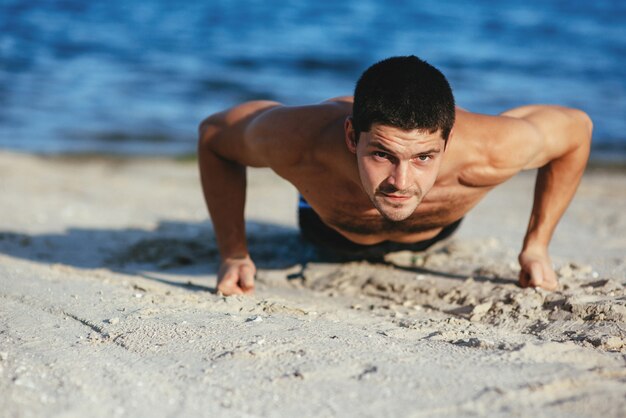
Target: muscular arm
<point>256,134</point>
<point>558,143</point>
<point>224,151</point>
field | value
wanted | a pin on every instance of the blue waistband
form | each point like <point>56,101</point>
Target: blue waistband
<point>303,204</point>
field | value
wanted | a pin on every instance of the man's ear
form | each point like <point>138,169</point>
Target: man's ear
<point>350,135</point>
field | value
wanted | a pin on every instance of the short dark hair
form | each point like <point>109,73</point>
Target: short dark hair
<point>406,93</point>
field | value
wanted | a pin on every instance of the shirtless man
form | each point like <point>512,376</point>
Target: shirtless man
<point>396,166</point>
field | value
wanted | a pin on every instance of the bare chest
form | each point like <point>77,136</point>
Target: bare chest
<point>353,214</point>
<point>436,211</point>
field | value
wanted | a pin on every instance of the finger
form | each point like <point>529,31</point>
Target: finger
<point>229,275</point>
<point>228,289</point>
<point>524,278</point>
<point>550,281</point>
<point>227,284</point>
<point>552,286</point>
<point>246,279</point>
<point>536,275</point>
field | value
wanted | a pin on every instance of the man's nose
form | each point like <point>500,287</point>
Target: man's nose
<point>400,177</point>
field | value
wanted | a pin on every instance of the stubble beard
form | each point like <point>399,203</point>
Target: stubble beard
<point>396,212</point>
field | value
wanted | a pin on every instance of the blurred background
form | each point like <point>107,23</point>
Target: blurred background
<point>127,77</point>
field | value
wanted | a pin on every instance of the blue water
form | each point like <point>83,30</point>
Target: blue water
<point>137,77</point>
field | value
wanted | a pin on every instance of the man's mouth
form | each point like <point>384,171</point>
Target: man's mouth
<point>396,197</point>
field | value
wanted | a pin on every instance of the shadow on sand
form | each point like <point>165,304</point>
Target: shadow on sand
<point>172,247</point>
<point>175,247</point>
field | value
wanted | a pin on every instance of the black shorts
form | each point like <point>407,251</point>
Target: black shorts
<point>332,242</point>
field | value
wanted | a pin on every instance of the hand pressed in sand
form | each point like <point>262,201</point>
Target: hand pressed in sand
<point>536,269</point>
<point>236,276</point>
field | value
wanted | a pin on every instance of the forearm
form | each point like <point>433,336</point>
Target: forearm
<point>555,187</point>
<point>224,188</point>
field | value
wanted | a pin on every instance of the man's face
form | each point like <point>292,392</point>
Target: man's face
<point>397,167</point>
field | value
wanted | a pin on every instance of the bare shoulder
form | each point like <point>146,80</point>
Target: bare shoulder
<point>266,133</point>
<point>224,133</point>
<point>522,138</point>
<point>285,135</point>
<point>545,132</point>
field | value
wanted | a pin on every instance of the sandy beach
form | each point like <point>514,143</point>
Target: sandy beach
<point>108,305</point>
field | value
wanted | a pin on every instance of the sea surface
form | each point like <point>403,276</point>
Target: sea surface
<point>136,77</point>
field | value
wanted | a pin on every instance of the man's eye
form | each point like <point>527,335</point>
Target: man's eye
<point>423,157</point>
<point>380,155</point>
